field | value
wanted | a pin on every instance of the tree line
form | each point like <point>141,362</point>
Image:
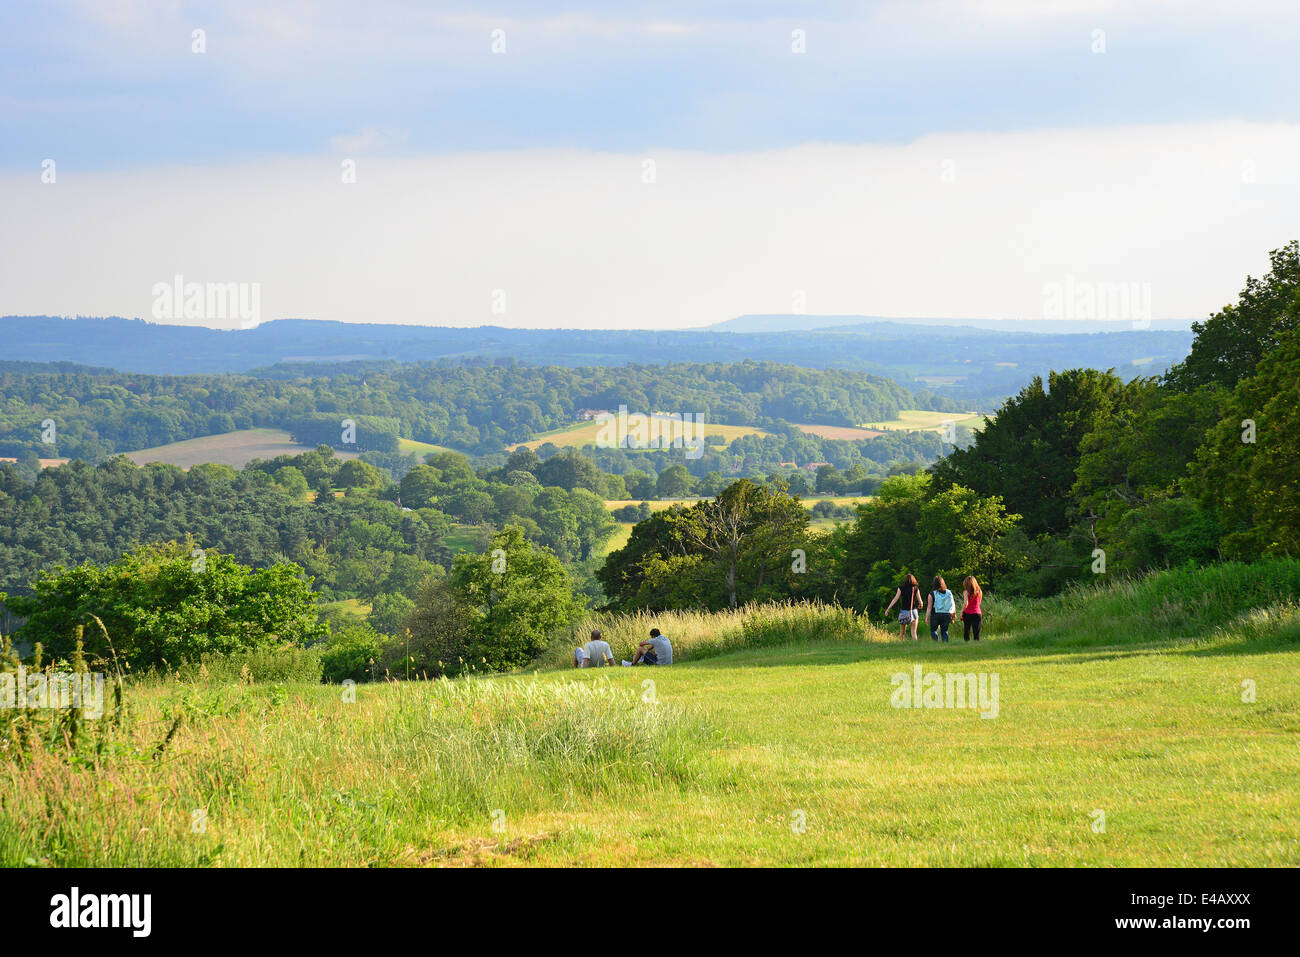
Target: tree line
<point>473,406</point>
<point>1080,474</point>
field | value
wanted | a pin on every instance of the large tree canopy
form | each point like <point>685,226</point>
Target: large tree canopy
<point>1249,467</point>
<point>1028,454</point>
<point>1231,342</point>
<point>736,548</point>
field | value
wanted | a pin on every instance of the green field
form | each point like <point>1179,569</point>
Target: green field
<point>917,420</point>
<point>775,740</point>
<point>462,538</point>
<point>411,446</point>
<point>235,449</point>
<point>617,540</point>
<point>353,608</point>
<point>821,524</point>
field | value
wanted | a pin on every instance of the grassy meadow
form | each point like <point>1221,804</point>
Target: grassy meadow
<point>1167,704</point>
<point>412,446</point>
<point>585,433</point>
<point>922,421</point>
<point>656,505</point>
<point>846,432</point>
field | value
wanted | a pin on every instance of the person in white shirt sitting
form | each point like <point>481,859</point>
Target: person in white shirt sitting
<point>597,652</point>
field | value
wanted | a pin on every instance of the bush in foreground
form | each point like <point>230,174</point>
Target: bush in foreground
<point>167,603</point>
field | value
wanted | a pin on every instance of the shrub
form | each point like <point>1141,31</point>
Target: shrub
<point>167,603</point>
<point>351,653</point>
<point>492,612</point>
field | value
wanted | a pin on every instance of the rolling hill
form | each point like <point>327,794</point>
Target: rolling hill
<point>235,449</point>
<point>959,360</point>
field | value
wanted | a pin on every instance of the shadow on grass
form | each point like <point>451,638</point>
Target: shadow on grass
<point>1065,652</point>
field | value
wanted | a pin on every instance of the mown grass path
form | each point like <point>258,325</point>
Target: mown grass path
<point>1185,772</point>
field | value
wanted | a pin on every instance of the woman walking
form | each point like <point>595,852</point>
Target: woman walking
<point>971,616</point>
<point>939,608</point>
<point>908,598</point>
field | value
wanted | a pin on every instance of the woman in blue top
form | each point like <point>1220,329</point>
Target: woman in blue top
<point>939,608</point>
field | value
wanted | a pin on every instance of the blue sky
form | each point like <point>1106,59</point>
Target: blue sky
<point>112,92</point>
<point>113,83</point>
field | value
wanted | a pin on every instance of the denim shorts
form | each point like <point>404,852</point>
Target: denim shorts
<point>906,616</point>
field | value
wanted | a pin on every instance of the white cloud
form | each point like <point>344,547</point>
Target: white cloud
<point>577,239</point>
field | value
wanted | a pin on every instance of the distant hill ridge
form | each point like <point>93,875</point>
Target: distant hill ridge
<point>795,322</point>
<point>974,366</point>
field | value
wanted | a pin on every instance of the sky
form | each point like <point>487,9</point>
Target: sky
<point>642,165</point>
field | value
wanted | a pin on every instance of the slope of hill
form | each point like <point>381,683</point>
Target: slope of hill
<point>475,406</point>
<point>236,449</point>
<point>586,433</point>
<point>796,745</point>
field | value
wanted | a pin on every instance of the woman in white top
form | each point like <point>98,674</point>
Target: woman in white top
<point>939,608</point>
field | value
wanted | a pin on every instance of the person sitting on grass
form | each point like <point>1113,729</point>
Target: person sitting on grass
<point>598,652</point>
<point>657,651</point>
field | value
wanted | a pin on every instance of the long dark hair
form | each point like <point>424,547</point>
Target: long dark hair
<point>909,580</point>
<point>939,583</point>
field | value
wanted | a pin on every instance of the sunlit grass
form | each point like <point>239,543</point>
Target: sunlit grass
<point>773,741</point>
<point>586,433</point>
<point>412,446</point>
<point>920,420</point>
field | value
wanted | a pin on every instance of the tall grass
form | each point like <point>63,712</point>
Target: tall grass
<point>272,770</point>
<point>1182,603</point>
<point>703,634</point>
<point>1216,601</point>
<point>283,663</point>
<point>202,768</point>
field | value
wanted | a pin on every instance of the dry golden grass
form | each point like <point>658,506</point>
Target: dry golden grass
<point>235,449</point>
<point>850,433</point>
<point>585,433</point>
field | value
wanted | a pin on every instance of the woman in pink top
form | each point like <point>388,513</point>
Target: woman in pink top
<point>971,616</point>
